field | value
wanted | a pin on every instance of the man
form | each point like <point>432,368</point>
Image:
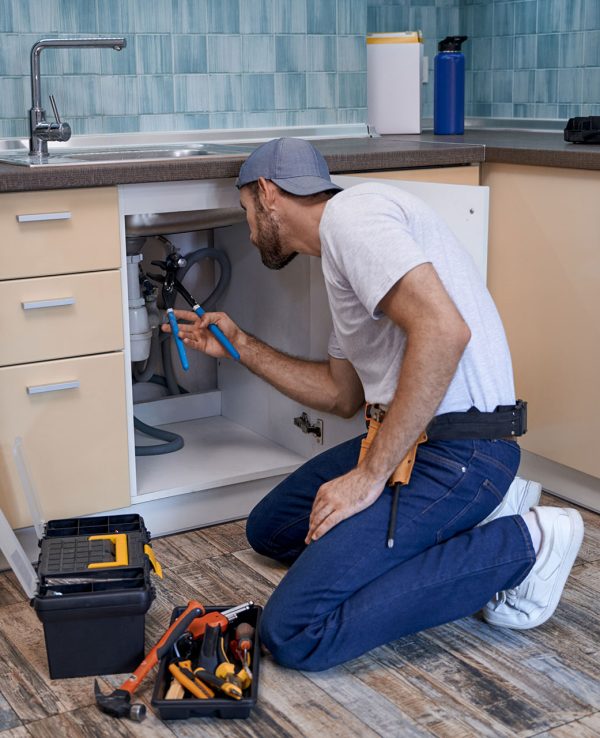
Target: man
<point>417,336</point>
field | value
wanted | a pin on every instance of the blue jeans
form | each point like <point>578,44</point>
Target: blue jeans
<point>347,592</point>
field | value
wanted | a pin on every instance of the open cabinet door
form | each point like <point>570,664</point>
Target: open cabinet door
<point>464,208</point>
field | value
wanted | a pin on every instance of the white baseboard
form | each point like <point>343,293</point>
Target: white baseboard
<point>562,481</point>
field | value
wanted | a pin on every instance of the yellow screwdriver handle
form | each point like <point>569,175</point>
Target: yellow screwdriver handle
<point>199,690</point>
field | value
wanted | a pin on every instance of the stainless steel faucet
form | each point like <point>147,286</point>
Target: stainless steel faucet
<point>40,130</point>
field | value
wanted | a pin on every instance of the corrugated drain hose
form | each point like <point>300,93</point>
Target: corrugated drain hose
<point>174,442</point>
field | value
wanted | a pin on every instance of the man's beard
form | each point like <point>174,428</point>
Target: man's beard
<point>268,240</point>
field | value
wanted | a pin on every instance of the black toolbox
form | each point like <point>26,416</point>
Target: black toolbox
<point>93,593</point>
<point>221,707</point>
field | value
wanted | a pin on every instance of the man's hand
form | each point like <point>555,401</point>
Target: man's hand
<point>340,499</point>
<point>194,332</point>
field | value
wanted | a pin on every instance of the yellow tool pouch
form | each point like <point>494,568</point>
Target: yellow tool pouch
<point>401,474</point>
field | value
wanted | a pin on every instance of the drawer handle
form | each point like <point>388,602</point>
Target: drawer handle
<point>58,302</point>
<point>58,387</point>
<point>33,217</point>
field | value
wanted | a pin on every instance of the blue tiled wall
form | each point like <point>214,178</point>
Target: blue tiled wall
<point>251,63</point>
<point>532,58</point>
<point>188,63</point>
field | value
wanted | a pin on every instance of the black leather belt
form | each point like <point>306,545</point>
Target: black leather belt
<point>506,421</point>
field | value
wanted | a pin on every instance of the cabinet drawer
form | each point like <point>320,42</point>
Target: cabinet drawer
<point>58,232</point>
<point>74,439</point>
<point>55,317</point>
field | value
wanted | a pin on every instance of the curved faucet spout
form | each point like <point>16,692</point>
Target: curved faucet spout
<point>40,131</point>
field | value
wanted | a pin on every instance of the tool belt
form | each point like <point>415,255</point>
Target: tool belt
<point>505,422</point>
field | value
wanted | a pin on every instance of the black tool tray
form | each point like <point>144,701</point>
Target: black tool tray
<point>94,617</point>
<point>217,707</point>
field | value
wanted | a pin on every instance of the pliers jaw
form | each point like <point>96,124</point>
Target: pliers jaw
<point>170,287</point>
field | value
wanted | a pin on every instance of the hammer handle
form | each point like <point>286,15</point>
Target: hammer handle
<point>192,611</point>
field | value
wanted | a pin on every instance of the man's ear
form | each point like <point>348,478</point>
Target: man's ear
<point>268,193</point>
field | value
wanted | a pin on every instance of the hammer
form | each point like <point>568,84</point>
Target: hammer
<point>118,703</point>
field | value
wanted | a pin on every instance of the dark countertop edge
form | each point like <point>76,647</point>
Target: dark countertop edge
<point>390,155</point>
<point>344,156</point>
<point>572,159</point>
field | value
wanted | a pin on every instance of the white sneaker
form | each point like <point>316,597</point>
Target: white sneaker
<point>521,496</point>
<point>533,601</point>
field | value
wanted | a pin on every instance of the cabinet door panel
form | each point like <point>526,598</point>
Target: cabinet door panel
<point>58,232</point>
<point>464,208</point>
<point>544,268</point>
<point>72,419</point>
<point>55,317</point>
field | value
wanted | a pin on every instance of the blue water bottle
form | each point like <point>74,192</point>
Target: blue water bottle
<point>449,87</point>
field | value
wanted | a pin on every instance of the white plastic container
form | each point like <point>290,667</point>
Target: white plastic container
<point>394,79</point>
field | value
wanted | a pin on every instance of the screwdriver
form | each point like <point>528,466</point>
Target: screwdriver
<point>244,635</point>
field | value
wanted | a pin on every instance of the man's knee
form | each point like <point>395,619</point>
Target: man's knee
<point>294,646</point>
<point>258,531</point>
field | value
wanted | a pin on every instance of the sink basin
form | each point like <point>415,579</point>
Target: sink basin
<point>107,155</point>
<point>135,154</point>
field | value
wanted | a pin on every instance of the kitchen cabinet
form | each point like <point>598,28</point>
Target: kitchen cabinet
<point>240,434</point>
<point>460,175</point>
<point>62,367</point>
<point>544,264</point>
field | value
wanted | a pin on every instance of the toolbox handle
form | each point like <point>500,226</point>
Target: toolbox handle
<point>119,541</point>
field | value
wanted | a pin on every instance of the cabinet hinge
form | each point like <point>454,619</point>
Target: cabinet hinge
<point>307,426</point>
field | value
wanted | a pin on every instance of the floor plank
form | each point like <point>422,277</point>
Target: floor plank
<point>461,680</point>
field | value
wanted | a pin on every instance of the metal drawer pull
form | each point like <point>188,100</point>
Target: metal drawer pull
<point>58,302</point>
<point>31,217</point>
<point>40,388</point>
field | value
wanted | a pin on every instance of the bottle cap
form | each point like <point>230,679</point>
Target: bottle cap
<point>452,43</point>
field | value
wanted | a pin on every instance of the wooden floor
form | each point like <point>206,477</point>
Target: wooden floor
<point>457,680</point>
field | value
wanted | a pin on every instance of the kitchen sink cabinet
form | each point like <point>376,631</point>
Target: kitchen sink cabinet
<point>62,367</point>
<point>544,264</point>
<point>240,435</point>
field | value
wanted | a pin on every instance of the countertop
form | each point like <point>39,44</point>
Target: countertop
<point>343,155</point>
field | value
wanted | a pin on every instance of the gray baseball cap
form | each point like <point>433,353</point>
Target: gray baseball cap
<point>292,163</point>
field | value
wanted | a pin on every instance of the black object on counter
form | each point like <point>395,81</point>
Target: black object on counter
<point>583,130</point>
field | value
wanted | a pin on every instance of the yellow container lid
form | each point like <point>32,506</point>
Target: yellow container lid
<point>403,37</point>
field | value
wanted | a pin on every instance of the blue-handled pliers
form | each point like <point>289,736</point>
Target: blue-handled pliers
<point>171,286</point>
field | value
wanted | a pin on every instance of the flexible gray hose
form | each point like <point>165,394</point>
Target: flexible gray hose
<point>167,360</point>
<point>222,259</point>
<point>174,442</point>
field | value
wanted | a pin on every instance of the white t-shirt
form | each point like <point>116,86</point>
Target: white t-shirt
<point>371,236</point>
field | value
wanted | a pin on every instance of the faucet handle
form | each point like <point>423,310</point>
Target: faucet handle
<point>58,131</point>
<point>55,109</point>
